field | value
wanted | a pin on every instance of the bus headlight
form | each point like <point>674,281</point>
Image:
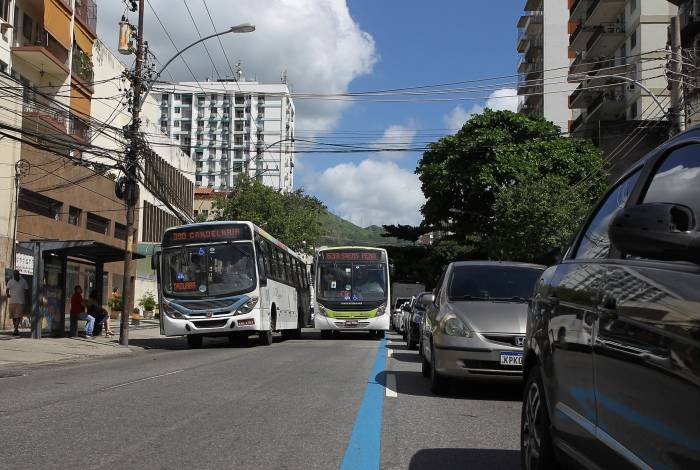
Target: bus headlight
<point>247,307</point>
<point>321,310</point>
<point>381,310</point>
<point>171,312</point>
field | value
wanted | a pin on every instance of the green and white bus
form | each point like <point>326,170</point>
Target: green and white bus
<point>352,290</point>
<point>230,279</point>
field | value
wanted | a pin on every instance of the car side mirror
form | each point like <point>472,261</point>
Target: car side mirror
<point>155,260</point>
<point>658,231</point>
<point>427,300</point>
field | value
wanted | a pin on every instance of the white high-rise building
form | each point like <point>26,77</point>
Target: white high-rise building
<point>228,127</point>
<point>543,41</point>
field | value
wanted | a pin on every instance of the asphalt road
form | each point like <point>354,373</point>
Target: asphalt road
<point>298,404</point>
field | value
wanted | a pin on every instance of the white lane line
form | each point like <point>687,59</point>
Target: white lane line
<point>391,386</point>
<point>389,352</point>
<point>141,380</point>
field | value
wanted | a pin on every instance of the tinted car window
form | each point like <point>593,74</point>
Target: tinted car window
<point>677,180</point>
<point>492,282</point>
<point>595,242</point>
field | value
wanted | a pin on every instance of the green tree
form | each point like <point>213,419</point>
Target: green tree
<point>292,217</point>
<point>464,175</point>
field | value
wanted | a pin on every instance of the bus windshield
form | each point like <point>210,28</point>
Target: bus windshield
<point>209,270</point>
<point>355,282</point>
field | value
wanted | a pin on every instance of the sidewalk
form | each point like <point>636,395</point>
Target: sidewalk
<point>23,351</point>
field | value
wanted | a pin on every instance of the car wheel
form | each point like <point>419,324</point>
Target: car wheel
<point>438,383</point>
<point>194,341</point>
<point>409,341</point>
<point>536,450</point>
<point>425,367</point>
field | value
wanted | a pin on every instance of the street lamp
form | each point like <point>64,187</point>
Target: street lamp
<point>580,77</point>
<point>260,153</point>
<point>239,29</point>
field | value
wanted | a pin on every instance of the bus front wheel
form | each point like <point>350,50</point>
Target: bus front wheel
<point>265,337</point>
<point>194,341</point>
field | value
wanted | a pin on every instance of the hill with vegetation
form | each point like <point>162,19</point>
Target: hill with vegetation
<point>338,231</point>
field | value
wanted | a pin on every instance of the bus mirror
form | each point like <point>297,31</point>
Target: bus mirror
<point>155,260</point>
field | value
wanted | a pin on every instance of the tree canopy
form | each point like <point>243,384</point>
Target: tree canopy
<point>291,217</point>
<point>509,184</point>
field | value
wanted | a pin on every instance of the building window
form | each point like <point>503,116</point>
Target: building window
<point>177,110</point>
<point>633,40</point>
<point>74,215</point>
<point>39,204</point>
<point>5,9</point>
<point>633,110</point>
<point>177,124</point>
<point>120,231</point>
<point>196,212</point>
<point>97,224</point>
<point>178,97</point>
<point>237,167</point>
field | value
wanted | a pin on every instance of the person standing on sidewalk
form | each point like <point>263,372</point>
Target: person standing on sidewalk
<point>17,292</point>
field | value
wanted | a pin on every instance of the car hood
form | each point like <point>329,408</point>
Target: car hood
<point>492,317</point>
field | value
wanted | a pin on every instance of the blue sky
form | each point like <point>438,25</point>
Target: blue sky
<point>335,46</point>
<point>417,43</point>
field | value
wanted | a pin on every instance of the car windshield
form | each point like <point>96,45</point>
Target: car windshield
<point>209,270</point>
<point>356,282</point>
<point>492,282</point>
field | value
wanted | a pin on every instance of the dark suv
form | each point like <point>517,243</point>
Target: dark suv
<point>612,354</point>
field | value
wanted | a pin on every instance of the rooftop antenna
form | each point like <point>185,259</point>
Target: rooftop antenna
<point>283,78</point>
<point>239,71</point>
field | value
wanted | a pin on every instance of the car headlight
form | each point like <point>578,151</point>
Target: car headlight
<point>171,312</point>
<point>321,310</point>
<point>247,307</point>
<point>453,326</point>
<point>381,310</point>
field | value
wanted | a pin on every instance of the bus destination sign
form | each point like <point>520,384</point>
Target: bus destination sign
<point>208,235</point>
<point>337,255</point>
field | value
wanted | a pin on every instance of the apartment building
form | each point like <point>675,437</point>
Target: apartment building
<point>689,16</point>
<point>543,41</point>
<point>232,127</point>
<point>620,38</point>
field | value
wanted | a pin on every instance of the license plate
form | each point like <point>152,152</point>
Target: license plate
<point>511,359</point>
<point>350,323</point>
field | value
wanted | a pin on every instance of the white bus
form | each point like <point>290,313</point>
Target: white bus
<point>352,290</point>
<point>230,279</point>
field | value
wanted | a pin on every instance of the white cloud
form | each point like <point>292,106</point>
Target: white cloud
<point>371,192</point>
<point>396,136</point>
<point>316,41</point>
<point>503,99</point>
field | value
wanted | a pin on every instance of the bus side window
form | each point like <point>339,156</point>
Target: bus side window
<point>270,260</point>
<point>280,265</point>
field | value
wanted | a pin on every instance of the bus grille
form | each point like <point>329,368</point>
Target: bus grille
<point>210,323</point>
<point>206,304</point>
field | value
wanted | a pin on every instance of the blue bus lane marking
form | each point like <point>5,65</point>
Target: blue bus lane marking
<point>364,446</point>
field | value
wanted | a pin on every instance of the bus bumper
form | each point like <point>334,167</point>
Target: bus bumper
<point>352,324</point>
<point>211,326</point>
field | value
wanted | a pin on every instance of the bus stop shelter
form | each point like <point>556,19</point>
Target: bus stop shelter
<point>48,293</point>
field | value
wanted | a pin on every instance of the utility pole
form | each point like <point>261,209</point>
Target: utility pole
<point>676,78</point>
<point>131,188</point>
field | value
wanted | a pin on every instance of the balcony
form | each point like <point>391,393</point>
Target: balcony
<point>580,37</point>
<point>43,52</point>
<point>38,109</point>
<point>86,13</point>
<point>604,11</point>
<point>578,9</point>
<point>577,125</point>
<point>606,39</point>
<point>581,97</point>
<point>82,67</point>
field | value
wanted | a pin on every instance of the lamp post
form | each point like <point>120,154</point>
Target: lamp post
<point>580,77</point>
<point>141,90</point>
<point>259,154</point>
<point>240,29</point>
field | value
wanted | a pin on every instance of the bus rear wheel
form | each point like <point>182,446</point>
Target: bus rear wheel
<point>194,341</point>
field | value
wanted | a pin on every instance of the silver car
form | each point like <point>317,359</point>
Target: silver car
<point>475,327</point>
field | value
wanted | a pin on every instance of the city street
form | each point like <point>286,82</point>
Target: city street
<point>297,404</point>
